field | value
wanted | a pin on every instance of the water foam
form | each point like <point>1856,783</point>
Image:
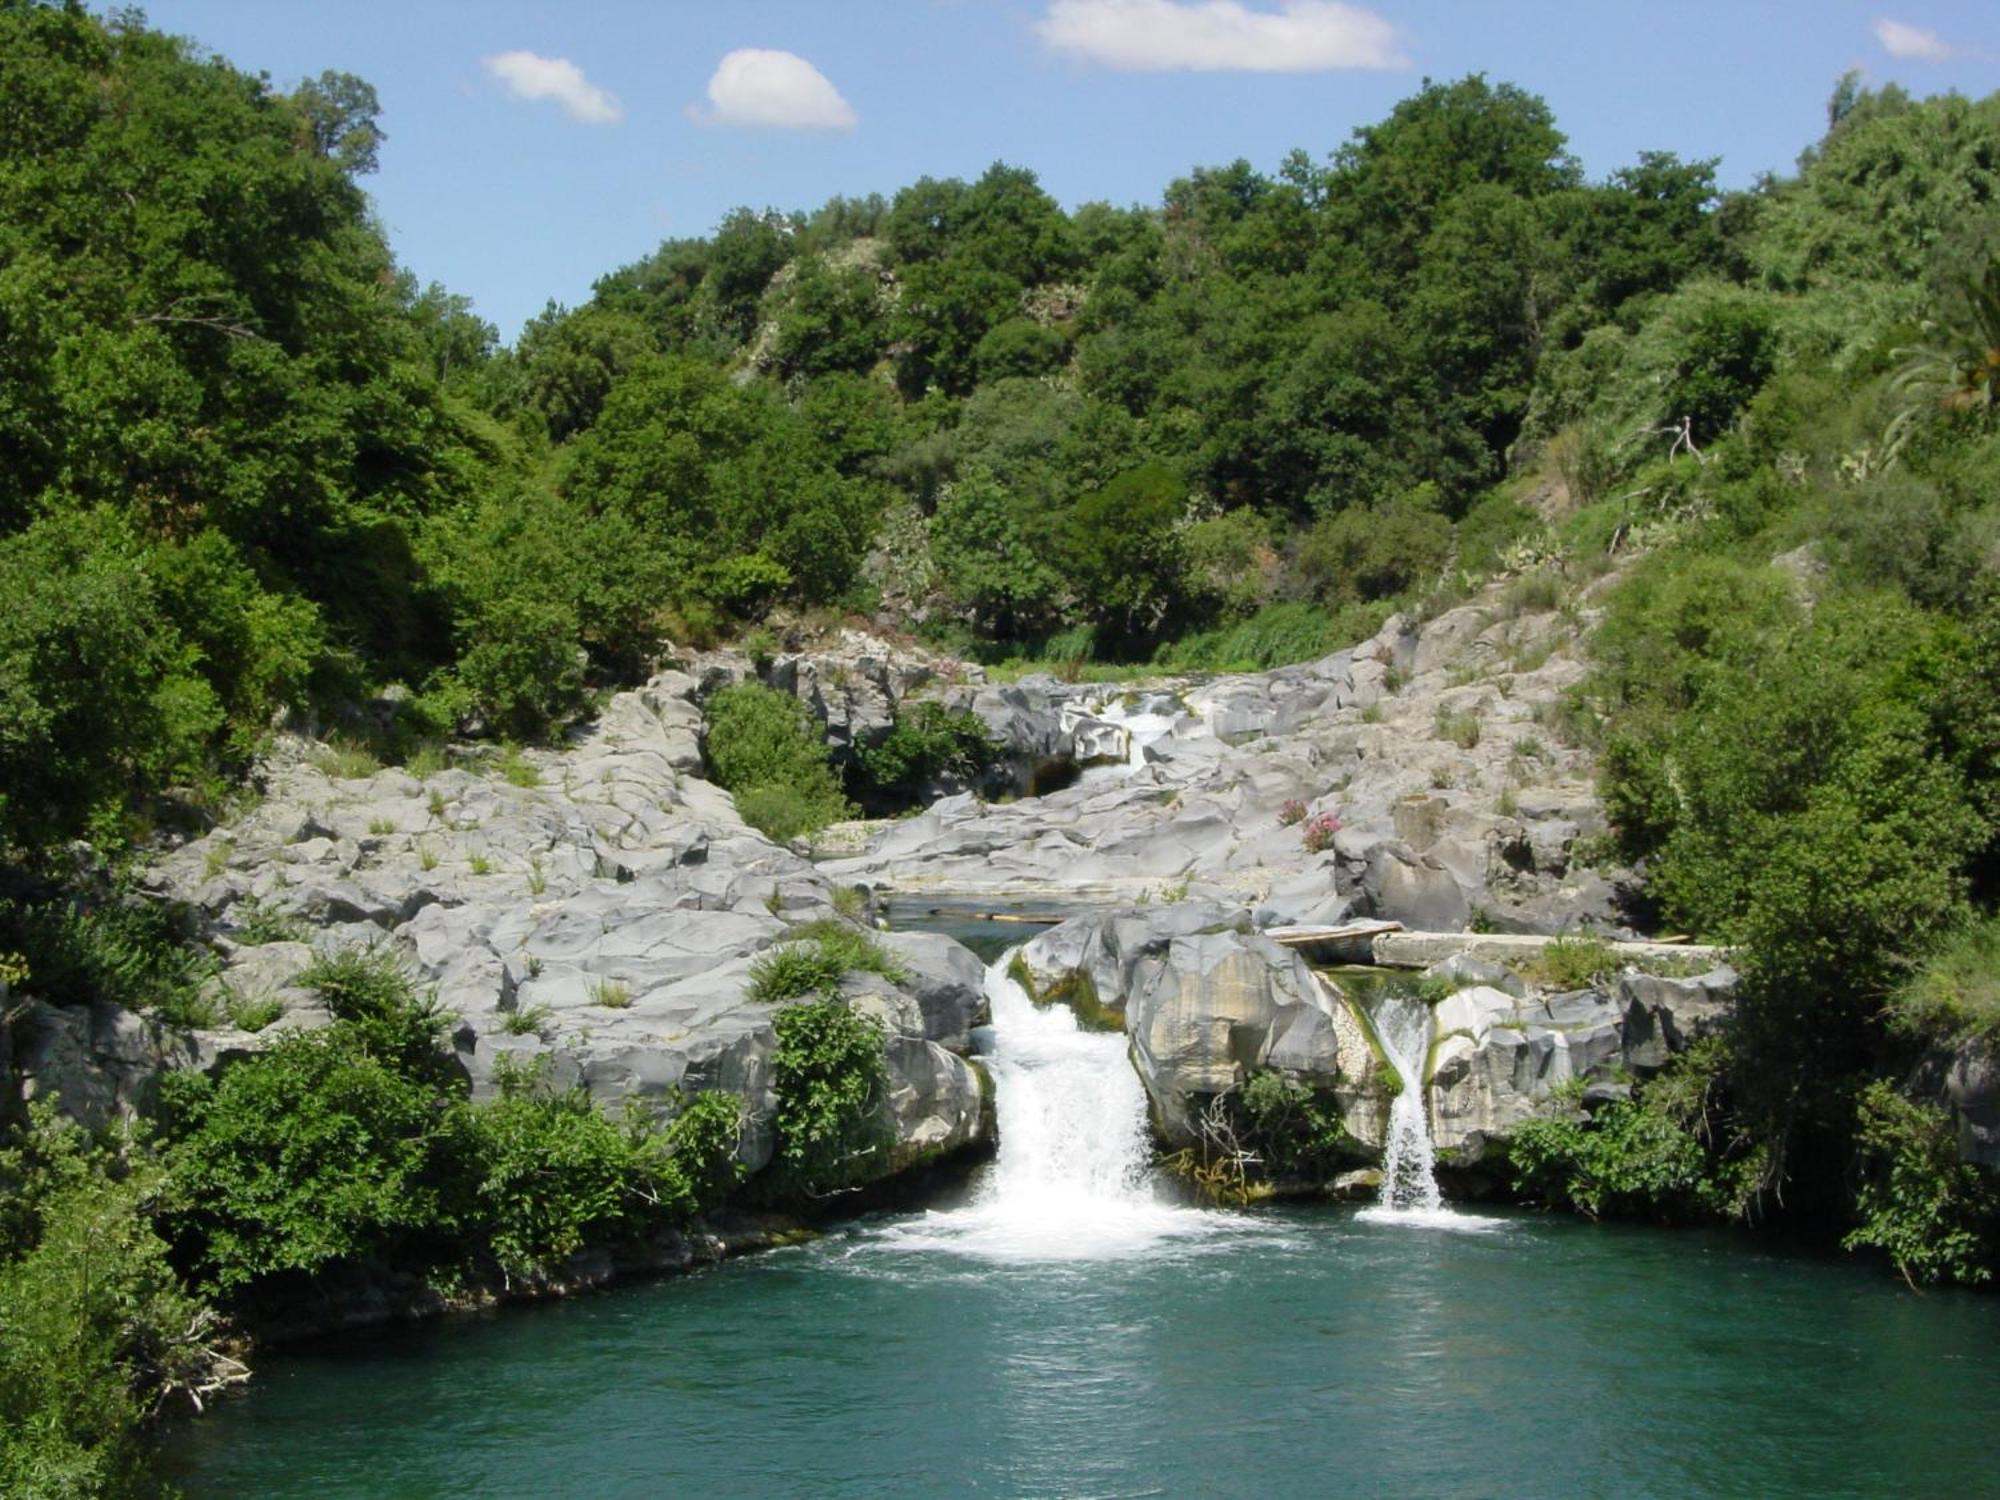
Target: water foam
<point>1410,1192</point>
<point>1072,1180</point>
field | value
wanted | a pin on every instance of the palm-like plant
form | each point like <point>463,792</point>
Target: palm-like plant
<point>1957,368</point>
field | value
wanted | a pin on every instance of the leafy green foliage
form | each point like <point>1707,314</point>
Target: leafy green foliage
<point>1365,555</point>
<point>1663,1154</point>
<point>315,1151</point>
<point>1955,996</point>
<point>927,740</point>
<point>831,1082</point>
<point>96,1330</point>
<point>1575,963</point>
<point>1294,1131</point>
<point>764,746</point>
<point>356,1144</point>
<point>1934,1215</point>
<point>125,953</point>
<point>549,1172</point>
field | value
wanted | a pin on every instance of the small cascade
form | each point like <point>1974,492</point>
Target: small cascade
<point>1409,1181</point>
<point>1072,1180</point>
<point>1129,724</point>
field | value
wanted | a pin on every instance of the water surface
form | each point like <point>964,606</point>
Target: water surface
<point>1302,1352</point>
<point>1070,1332</point>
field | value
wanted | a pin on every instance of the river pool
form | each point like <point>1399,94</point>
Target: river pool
<point>1064,1331</point>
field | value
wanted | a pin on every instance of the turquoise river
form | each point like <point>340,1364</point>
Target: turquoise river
<point>1061,1331</point>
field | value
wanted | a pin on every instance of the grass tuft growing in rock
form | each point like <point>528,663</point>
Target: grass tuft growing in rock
<point>1458,726</point>
<point>1574,963</point>
<point>346,760</point>
<point>815,958</point>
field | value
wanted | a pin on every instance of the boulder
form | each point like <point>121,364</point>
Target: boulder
<point>1970,1084</point>
<point>1216,1007</point>
<point>1661,1016</point>
<point>948,982</point>
<point>939,1102</point>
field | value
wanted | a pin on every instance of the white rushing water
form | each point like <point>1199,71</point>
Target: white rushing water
<point>1410,1192</point>
<point>1409,1177</point>
<point>1072,1178</point>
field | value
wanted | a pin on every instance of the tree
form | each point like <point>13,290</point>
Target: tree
<point>340,113</point>
<point>1121,550</point>
<point>995,557</point>
<point>1389,182</point>
<point>747,251</point>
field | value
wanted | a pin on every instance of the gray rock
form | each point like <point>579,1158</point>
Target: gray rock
<point>937,1099</point>
<point>1968,1078</point>
<point>1463,969</point>
<point>600,924</point>
<point>1215,1008</point>
<point>948,983</point>
<point>1661,1016</point>
<point>99,1063</point>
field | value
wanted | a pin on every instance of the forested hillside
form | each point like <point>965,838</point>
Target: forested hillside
<point>251,469</point>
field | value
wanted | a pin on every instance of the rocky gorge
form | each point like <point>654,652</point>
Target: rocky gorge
<point>597,908</point>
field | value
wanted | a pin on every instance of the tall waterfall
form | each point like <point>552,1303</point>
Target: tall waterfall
<point>1072,1178</point>
<point>1409,1183</point>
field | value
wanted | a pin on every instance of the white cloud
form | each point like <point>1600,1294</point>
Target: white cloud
<point>527,75</point>
<point>1899,40</point>
<point>776,90</point>
<point>1300,36</point>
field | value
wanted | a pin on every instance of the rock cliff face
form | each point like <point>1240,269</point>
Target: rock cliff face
<point>1497,1058</point>
<point>1456,801</point>
<point>1208,1002</point>
<point>598,907</point>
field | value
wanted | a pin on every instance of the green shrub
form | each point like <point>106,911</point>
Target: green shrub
<point>831,1082</point>
<point>1294,1129</point>
<point>1955,996</point>
<point>1662,1154</point>
<point>548,1172</point>
<point>315,1151</point>
<point>253,1012</point>
<point>1575,963</point>
<point>1935,1215</point>
<point>96,1330</point>
<point>764,746</point>
<point>1373,554</point>
<point>370,991</point>
<point>927,740</point>
<point>101,701</point>
<point>521,665</point>
<point>127,953</point>
<point>1490,529</point>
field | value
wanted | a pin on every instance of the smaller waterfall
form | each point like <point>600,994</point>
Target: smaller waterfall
<point>1409,1181</point>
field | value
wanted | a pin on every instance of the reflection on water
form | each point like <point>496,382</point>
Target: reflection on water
<point>1320,1355</point>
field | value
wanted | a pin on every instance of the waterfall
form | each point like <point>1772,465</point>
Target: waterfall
<point>1072,1180</point>
<point>1409,1185</point>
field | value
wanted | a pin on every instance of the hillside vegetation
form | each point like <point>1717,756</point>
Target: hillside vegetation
<point>254,470</point>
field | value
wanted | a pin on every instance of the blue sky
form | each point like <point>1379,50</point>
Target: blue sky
<point>534,146</point>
